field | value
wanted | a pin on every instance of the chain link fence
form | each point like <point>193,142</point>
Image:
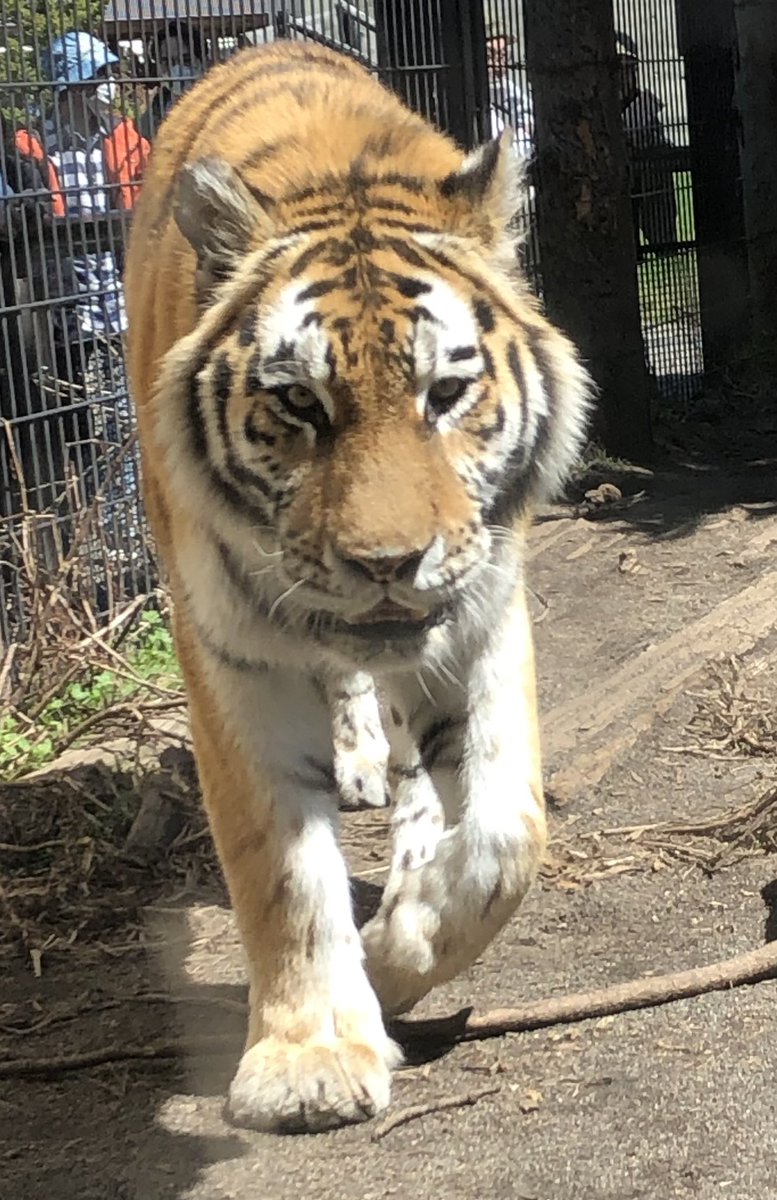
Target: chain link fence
<point>83,89</point>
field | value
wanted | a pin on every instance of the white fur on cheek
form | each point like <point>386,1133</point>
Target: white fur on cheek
<point>308,346</point>
<point>452,327</point>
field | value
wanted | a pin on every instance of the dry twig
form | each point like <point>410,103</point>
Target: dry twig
<point>754,966</point>
<point>414,1111</point>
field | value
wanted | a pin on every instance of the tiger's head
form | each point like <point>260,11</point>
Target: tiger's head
<point>369,394</point>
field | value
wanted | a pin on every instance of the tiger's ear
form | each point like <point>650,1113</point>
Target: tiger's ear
<point>488,186</point>
<point>220,217</point>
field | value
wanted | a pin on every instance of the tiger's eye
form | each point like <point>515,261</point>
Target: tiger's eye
<point>444,393</point>
<point>301,397</point>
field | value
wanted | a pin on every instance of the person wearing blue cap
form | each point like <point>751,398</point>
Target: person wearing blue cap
<point>99,157</point>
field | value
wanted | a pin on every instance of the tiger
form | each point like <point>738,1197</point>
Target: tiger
<point>349,404</point>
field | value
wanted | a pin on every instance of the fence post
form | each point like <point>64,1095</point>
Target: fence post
<point>707,38</point>
<point>433,55</point>
<point>464,49</point>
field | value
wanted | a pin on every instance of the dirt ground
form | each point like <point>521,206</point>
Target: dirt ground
<point>657,652</point>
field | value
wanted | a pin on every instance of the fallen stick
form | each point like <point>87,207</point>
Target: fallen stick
<point>414,1111</point>
<point>51,1068</point>
<point>753,966</point>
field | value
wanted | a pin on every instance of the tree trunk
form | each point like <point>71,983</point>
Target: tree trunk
<point>587,244</point>
<point>756,100</point>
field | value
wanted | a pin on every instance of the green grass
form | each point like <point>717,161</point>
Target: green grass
<point>668,286</point>
<point>145,666</point>
<point>686,224</point>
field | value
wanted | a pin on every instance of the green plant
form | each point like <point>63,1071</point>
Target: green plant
<point>115,683</point>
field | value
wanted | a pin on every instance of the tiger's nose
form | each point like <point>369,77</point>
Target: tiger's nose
<point>385,568</point>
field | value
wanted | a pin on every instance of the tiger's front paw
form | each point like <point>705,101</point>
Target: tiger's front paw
<point>361,779</point>
<point>306,1087</point>
<point>360,747</point>
<point>436,919</point>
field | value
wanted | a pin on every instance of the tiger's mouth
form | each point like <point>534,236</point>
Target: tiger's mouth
<point>391,622</point>
<point>389,611</point>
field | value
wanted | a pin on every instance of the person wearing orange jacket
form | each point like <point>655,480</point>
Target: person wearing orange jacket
<point>99,157</point>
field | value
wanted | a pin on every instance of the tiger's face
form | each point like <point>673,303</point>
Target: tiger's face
<point>377,410</point>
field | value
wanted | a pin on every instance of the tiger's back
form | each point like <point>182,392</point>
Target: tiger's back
<point>348,403</point>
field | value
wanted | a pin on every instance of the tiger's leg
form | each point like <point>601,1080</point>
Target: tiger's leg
<point>359,743</point>
<point>316,1053</point>
<point>438,915</point>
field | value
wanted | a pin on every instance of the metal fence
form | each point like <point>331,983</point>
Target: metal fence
<point>83,88</point>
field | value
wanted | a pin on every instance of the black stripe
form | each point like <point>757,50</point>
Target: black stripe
<point>388,204</point>
<point>516,368</point>
<point>248,328</point>
<point>254,435</point>
<point>479,285</point>
<point>462,353</point>
<point>419,312</point>
<point>387,331</point>
<point>484,315</point>
<point>548,377</point>
<point>408,227</point>
<point>321,287</point>
<point>314,226</point>
<point>223,378</point>
<point>263,154</point>
<point>243,474</point>
<point>384,143</point>
<point>436,739</point>
<point>324,770</point>
<point>194,412</point>
<point>410,288</point>
<point>486,432</point>
<point>519,375</point>
<point>410,183</point>
<point>303,194</point>
<point>284,353</point>
<point>329,208</point>
<point>234,572</point>
<point>363,239</point>
<point>236,499</point>
<point>406,252</point>
<point>235,662</point>
<point>314,252</point>
<point>263,199</point>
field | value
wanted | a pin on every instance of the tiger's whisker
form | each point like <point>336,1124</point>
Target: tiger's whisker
<point>424,688</point>
<point>267,553</point>
<point>264,570</point>
<point>284,596</point>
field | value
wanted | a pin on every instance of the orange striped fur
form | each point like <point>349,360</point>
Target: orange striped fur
<point>348,404</point>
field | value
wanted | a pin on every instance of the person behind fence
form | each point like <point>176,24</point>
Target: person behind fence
<point>99,157</point>
<point>510,102</point>
<point>653,198</point>
<point>25,215</point>
<point>177,59</point>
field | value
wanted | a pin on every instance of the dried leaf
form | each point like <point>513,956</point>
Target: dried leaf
<point>530,1101</point>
